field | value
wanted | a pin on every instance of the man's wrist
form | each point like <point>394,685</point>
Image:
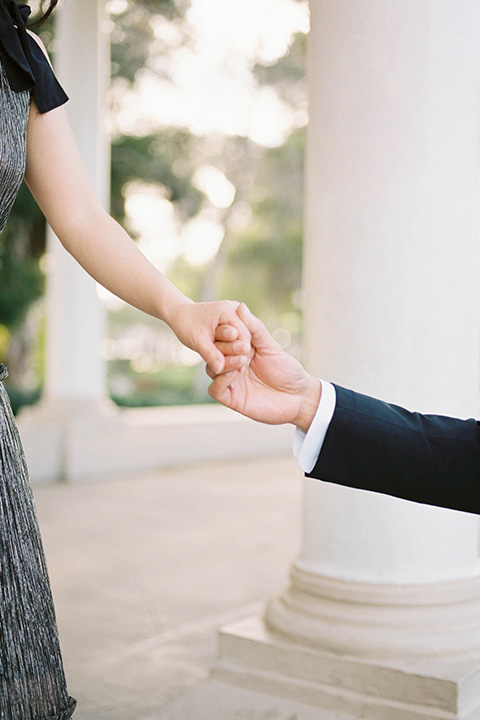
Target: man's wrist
<point>307,446</point>
<point>309,405</point>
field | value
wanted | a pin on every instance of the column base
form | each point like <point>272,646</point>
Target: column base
<point>380,621</point>
<point>258,670</point>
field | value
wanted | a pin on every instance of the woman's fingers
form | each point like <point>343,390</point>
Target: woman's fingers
<point>226,333</point>
<point>229,318</point>
<point>213,358</point>
<point>239,347</point>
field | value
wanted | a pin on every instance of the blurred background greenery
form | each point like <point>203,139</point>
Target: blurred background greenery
<point>207,124</point>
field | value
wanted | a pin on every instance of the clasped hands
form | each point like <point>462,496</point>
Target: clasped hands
<point>262,381</point>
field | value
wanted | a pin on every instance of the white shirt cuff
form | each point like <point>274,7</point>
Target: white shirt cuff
<point>307,446</point>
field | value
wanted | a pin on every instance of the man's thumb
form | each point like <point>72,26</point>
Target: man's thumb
<point>260,335</point>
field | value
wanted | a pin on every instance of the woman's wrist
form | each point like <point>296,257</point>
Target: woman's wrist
<point>171,302</point>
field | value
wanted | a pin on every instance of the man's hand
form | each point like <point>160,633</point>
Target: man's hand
<point>272,387</point>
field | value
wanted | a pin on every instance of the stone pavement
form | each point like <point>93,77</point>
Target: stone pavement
<point>145,569</point>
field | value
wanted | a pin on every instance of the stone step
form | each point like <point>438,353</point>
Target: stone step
<point>254,658</point>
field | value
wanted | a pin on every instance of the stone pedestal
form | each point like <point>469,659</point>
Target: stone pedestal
<point>339,684</point>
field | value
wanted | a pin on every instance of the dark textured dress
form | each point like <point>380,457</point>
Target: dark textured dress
<point>32,681</point>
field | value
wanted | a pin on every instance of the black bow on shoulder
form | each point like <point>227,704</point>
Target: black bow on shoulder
<point>24,62</point>
<point>14,45</point>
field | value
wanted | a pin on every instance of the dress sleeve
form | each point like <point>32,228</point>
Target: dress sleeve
<point>25,64</point>
<point>47,91</point>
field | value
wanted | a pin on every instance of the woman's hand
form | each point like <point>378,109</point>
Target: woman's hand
<point>195,325</point>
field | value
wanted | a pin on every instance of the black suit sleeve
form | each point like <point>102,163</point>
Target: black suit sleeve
<point>384,448</point>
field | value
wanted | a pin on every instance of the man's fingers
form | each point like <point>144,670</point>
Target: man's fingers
<point>261,338</point>
<point>221,385</point>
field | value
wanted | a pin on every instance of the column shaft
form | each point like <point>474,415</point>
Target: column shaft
<point>75,316</point>
<point>391,271</point>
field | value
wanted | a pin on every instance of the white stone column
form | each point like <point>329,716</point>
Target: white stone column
<point>392,308</point>
<point>75,371</point>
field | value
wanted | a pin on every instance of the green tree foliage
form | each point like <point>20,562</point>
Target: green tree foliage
<point>160,159</point>
<point>272,244</point>
<point>133,33</point>
<point>287,74</point>
<point>21,281</point>
<point>259,260</point>
<point>267,254</point>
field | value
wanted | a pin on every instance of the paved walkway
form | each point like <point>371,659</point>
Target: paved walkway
<point>145,569</point>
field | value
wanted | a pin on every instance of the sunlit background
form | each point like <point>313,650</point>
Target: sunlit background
<point>208,114</point>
